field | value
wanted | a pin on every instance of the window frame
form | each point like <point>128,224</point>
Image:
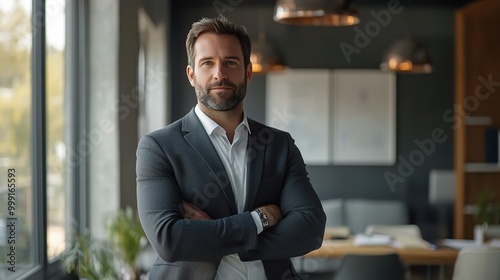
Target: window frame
<point>76,114</point>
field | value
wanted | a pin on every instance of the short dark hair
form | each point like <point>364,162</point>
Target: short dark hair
<point>218,25</point>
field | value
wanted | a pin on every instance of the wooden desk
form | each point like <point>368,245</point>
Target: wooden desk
<point>409,256</point>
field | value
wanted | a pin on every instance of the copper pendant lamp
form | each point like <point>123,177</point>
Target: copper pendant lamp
<point>316,12</point>
<point>264,59</point>
<point>263,56</point>
<point>406,56</point>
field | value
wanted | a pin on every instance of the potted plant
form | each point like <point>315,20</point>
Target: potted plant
<point>89,258</point>
<point>126,234</point>
<point>488,213</point>
<point>114,258</point>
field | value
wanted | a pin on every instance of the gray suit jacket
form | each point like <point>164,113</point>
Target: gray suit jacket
<point>179,163</point>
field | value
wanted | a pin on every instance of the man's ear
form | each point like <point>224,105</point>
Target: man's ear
<point>249,72</point>
<point>190,74</point>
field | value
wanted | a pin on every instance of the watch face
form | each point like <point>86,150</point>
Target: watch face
<point>265,223</point>
<point>263,219</point>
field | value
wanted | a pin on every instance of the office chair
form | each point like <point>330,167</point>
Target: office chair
<point>363,212</point>
<point>477,263</point>
<point>370,267</point>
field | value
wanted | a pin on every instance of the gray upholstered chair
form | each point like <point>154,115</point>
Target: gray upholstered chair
<point>359,213</point>
<point>477,263</point>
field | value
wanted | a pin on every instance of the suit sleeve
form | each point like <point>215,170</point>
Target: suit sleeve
<point>160,210</point>
<point>302,228</point>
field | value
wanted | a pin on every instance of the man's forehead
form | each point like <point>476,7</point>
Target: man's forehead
<point>211,43</point>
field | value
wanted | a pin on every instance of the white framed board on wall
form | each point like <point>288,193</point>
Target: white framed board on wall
<point>341,117</point>
<point>364,117</point>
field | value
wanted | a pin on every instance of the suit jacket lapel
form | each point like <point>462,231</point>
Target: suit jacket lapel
<point>200,141</point>
<point>255,161</point>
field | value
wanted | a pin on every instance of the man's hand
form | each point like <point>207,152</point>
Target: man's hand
<point>273,213</point>
<point>192,212</point>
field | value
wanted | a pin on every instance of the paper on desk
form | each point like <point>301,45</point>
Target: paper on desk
<point>495,243</point>
<point>468,243</point>
<point>410,242</point>
<point>462,243</point>
<point>372,239</point>
<point>396,241</point>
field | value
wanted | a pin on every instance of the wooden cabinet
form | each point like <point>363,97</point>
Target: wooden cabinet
<point>477,106</point>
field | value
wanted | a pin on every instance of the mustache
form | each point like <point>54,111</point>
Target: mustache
<point>221,84</point>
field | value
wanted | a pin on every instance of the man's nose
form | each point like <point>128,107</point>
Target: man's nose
<point>220,73</point>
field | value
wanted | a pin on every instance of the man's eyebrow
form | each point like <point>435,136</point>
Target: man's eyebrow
<point>206,58</point>
<point>233,57</point>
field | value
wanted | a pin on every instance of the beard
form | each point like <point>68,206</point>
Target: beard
<point>222,100</point>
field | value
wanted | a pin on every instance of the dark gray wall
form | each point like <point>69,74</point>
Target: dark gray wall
<point>422,99</point>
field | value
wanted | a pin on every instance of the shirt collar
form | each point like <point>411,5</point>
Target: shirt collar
<point>210,125</point>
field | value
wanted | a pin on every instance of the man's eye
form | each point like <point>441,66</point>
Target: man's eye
<point>231,63</point>
<point>207,63</point>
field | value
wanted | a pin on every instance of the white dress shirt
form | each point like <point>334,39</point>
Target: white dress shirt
<point>234,158</point>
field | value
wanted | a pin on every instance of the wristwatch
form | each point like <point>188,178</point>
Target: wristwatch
<point>263,218</point>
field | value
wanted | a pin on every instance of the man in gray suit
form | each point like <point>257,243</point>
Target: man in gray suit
<point>221,196</point>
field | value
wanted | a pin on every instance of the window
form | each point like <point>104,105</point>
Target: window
<point>16,189</point>
<point>33,122</point>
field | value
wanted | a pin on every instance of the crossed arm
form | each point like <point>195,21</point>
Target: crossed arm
<point>192,212</point>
